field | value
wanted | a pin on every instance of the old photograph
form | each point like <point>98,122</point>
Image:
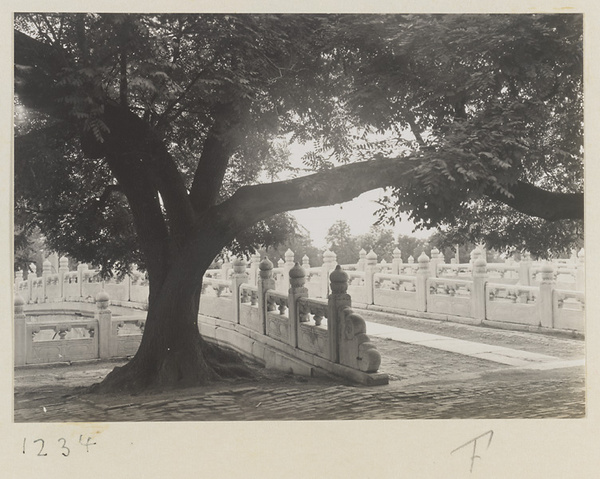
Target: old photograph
<point>298,217</point>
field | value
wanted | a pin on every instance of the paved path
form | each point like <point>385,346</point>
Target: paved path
<point>497,354</point>
<point>437,370</point>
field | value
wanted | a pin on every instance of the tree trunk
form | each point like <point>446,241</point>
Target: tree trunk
<point>172,353</point>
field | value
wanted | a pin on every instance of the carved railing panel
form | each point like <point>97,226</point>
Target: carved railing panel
<point>357,287</point>
<point>512,303</point>
<point>395,291</point>
<point>502,273</point>
<point>249,312</point>
<point>568,309</point>
<point>51,342</point>
<point>312,329</point>
<point>314,282</point>
<point>126,335</point>
<point>449,296</point>
<point>277,320</point>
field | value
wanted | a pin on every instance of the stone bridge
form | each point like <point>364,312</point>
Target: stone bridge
<point>296,318</point>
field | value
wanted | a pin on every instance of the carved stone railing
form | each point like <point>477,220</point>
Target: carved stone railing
<point>476,292</point>
<point>291,329</point>
<point>512,304</point>
<point>277,320</point>
<point>395,290</point>
<point>314,282</point>
<point>459,270</point>
<point>451,296</point>
<point>72,331</point>
<point>357,286</point>
<point>502,273</point>
<point>313,334</point>
<point>568,309</point>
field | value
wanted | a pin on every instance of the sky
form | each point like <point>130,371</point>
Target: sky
<point>358,213</point>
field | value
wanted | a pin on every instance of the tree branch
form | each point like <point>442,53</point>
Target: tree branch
<point>134,141</point>
<point>535,201</point>
<point>164,117</point>
<point>212,165</point>
<point>254,203</point>
<point>410,118</point>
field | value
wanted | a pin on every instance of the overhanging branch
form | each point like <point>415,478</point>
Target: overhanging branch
<point>535,201</point>
<point>254,203</point>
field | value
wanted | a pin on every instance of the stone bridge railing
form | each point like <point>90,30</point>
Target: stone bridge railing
<point>290,330</point>
<point>285,331</point>
<point>74,331</point>
<point>534,296</point>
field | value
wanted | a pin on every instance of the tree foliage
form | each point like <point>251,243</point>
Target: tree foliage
<point>489,100</point>
<point>342,243</point>
<point>380,240</point>
<point>156,138</point>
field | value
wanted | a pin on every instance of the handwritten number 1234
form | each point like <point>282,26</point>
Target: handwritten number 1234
<point>38,446</point>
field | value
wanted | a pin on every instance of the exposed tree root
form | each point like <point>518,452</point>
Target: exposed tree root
<point>206,363</point>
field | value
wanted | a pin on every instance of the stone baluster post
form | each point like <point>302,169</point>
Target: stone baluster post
<point>478,292</point>
<point>305,262</point>
<point>20,331</point>
<point>524,266</point>
<point>81,270</point>
<point>104,317</point>
<point>265,282</point>
<point>254,262</point>
<point>225,267</point>
<point>297,290</point>
<point>396,261</point>
<point>289,263</point>
<point>435,260</point>
<point>133,280</point>
<point>483,250</point>
<point>545,299</point>
<point>580,278</point>
<point>383,266</point>
<point>54,262</point>
<point>62,270</point>
<point>339,300</point>
<point>31,274</point>
<point>31,277</point>
<point>281,280</point>
<point>475,254</point>
<point>239,277</point>
<point>329,262</point>
<point>574,256</point>
<point>422,274</point>
<point>219,265</point>
<point>370,270</point>
<point>127,283</point>
<point>18,280</point>
<point>362,260</point>
<point>46,272</point>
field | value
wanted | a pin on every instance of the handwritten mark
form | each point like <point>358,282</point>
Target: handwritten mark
<point>64,449</point>
<point>474,455</point>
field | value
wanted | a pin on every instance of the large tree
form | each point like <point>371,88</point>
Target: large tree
<point>145,138</point>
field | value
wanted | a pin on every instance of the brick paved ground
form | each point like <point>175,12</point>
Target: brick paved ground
<point>425,383</point>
